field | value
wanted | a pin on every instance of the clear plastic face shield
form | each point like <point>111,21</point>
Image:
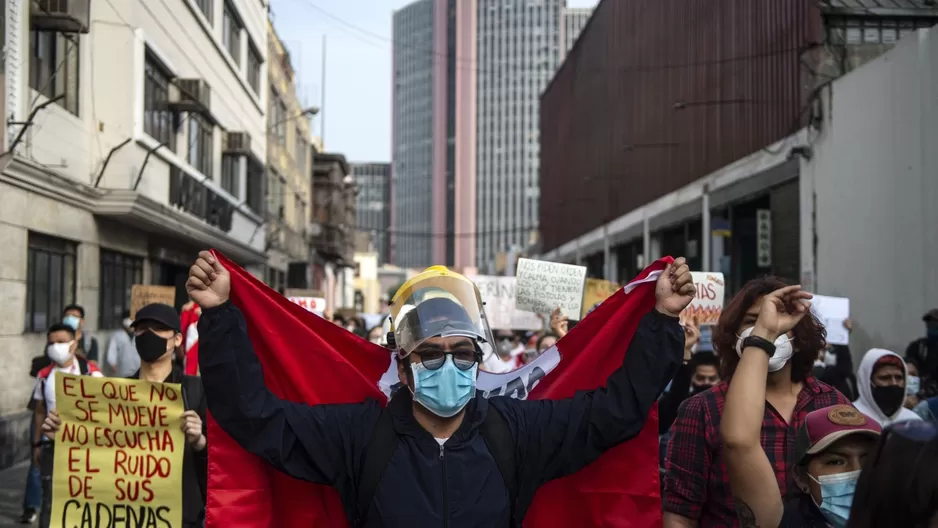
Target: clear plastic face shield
<point>439,303</point>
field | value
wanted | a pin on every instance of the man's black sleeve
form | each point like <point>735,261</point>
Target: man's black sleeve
<point>310,442</point>
<point>671,400</point>
<point>559,437</point>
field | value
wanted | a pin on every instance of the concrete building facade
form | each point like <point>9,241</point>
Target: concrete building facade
<point>519,47</point>
<point>121,168</point>
<point>289,173</point>
<point>433,153</point>
<point>374,204</point>
<point>574,20</point>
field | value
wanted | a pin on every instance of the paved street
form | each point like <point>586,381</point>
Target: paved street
<point>11,494</point>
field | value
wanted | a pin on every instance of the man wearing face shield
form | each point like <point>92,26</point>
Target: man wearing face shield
<point>436,455</point>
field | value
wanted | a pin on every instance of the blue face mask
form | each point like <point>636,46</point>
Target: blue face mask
<point>837,496</point>
<point>446,390</point>
<point>72,321</point>
<point>913,384</point>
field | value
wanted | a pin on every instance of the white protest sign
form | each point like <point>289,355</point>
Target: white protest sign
<point>707,305</point>
<point>833,311</point>
<point>543,286</point>
<point>498,294</point>
<point>317,305</point>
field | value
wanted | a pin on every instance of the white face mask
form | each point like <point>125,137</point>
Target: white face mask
<point>783,350</point>
<point>830,358</point>
<point>127,322</point>
<point>59,353</point>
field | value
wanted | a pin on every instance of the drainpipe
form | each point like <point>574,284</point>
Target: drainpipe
<point>706,237</point>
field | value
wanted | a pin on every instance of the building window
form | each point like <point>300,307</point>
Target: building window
<point>276,279</point>
<point>53,67</point>
<point>277,118</point>
<point>50,280</point>
<point>157,118</point>
<point>275,195</point>
<point>119,272</point>
<point>205,6</point>
<point>254,69</point>
<point>255,188</point>
<point>230,180</point>
<point>231,33</point>
<point>200,144</point>
<point>299,210</point>
<point>301,148</point>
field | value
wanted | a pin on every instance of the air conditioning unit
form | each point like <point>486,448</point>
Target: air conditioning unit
<point>237,143</point>
<point>66,16</point>
<point>191,95</point>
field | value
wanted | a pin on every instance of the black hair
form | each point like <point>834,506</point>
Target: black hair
<point>60,327</point>
<point>76,307</point>
<point>125,314</point>
<point>339,319</point>
<point>898,485</point>
<point>543,337</point>
<point>703,358</point>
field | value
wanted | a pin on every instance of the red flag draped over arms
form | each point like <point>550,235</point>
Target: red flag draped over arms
<point>620,489</point>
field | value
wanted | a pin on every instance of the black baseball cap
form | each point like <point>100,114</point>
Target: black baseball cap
<point>158,313</point>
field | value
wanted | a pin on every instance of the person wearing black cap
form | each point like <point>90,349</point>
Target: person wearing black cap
<point>924,352</point>
<point>157,335</point>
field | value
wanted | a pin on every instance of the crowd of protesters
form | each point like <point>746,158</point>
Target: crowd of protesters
<point>766,425</point>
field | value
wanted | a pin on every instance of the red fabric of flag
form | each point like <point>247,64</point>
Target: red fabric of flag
<point>308,359</point>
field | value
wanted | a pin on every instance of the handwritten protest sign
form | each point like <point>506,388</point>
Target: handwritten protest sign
<point>597,291</point>
<point>707,305</point>
<point>118,454</point>
<point>498,294</point>
<point>832,312</point>
<point>317,305</point>
<point>543,286</point>
<point>144,294</point>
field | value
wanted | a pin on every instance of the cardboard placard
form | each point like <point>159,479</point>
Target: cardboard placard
<point>118,454</point>
<point>596,291</point>
<point>498,294</point>
<point>707,305</point>
<point>832,312</point>
<point>542,286</point>
<point>144,294</point>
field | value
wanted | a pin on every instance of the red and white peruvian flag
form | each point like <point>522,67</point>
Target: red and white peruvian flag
<point>189,319</point>
<point>295,347</point>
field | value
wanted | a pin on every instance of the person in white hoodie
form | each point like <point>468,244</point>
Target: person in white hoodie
<point>881,381</point>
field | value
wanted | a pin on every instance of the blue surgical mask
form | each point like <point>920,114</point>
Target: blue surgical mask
<point>446,390</point>
<point>913,384</point>
<point>837,496</point>
<point>72,321</point>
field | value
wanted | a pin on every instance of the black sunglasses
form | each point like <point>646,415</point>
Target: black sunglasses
<point>463,358</point>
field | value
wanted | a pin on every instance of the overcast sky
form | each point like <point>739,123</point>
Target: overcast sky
<point>358,68</point>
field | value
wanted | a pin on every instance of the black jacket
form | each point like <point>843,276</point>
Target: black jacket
<point>194,463</point>
<point>457,485</point>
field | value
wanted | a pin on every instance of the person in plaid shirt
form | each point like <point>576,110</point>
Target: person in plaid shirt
<point>696,484</point>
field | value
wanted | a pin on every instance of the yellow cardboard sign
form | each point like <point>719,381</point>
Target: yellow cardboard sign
<point>597,290</point>
<point>144,294</point>
<point>118,454</point>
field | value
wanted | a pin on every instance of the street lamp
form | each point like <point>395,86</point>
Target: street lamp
<point>309,111</point>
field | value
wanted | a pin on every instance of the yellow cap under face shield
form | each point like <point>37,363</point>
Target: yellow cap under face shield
<point>438,303</point>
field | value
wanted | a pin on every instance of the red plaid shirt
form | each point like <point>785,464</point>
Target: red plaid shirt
<point>696,484</point>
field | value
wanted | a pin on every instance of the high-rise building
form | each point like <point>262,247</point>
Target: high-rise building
<point>373,212</point>
<point>433,185</point>
<point>520,46</point>
<point>467,80</point>
<point>574,20</point>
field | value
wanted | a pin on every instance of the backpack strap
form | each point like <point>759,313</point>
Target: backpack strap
<point>83,366</point>
<point>378,455</point>
<point>192,394</point>
<point>501,446</point>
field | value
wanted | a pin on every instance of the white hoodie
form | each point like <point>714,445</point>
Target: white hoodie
<point>865,404</point>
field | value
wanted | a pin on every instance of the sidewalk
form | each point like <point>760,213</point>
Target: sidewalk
<point>12,483</point>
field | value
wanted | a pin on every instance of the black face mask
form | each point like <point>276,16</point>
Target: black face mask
<point>697,389</point>
<point>889,398</point>
<point>150,346</point>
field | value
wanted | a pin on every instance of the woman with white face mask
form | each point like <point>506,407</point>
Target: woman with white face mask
<point>772,318</point>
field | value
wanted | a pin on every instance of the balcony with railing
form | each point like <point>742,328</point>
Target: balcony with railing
<point>192,196</point>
